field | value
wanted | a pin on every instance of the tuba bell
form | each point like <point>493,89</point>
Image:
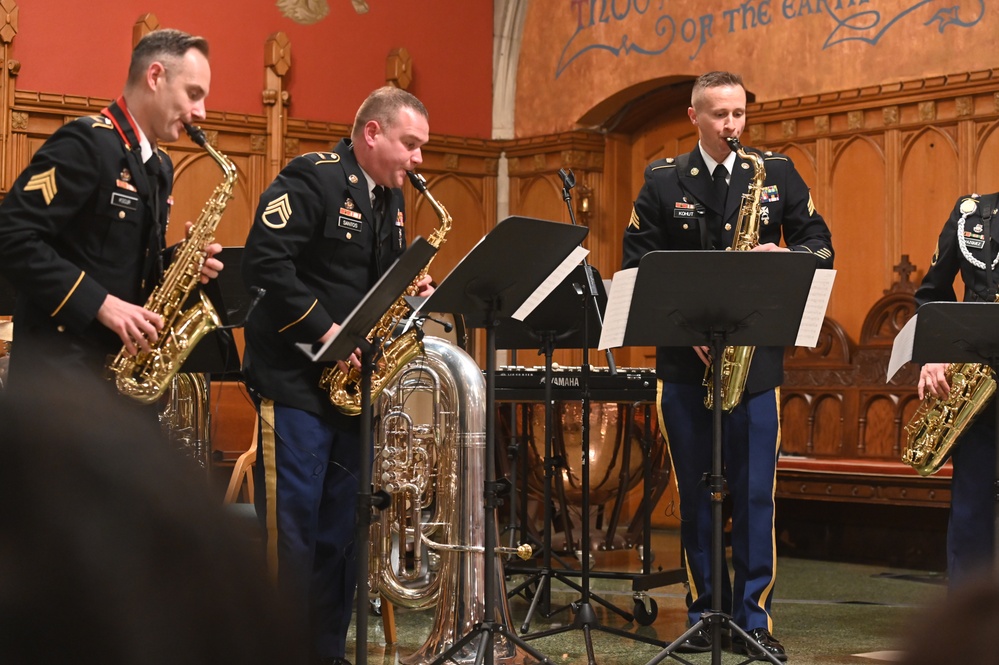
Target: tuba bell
<point>428,545</point>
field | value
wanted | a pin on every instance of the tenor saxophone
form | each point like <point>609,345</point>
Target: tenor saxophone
<point>344,387</point>
<point>938,422</point>
<point>145,376</point>
<point>736,359</point>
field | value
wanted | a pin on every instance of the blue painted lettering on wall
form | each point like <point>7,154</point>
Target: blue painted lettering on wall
<point>646,27</point>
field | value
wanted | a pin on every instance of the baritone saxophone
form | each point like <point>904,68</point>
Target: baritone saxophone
<point>344,388</point>
<point>736,359</point>
<point>145,376</point>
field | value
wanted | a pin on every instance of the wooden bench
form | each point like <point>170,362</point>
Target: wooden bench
<point>840,478</point>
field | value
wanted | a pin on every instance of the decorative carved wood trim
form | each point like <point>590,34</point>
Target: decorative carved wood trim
<point>906,103</point>
<point>143,26</point>
<point>277,63</point>
<point>7,120</point>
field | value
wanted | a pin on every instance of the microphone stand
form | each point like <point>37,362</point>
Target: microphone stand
<point>586,619</point>
<point>568,182</point>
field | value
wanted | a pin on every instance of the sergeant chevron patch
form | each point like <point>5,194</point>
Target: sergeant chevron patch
<point>44,183</point>
<point>634,219</point>
<point>279,208</point>
<point>811,206</point>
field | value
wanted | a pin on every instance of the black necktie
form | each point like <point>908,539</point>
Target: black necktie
<point>721,185</point>
<point>380,206</point>
<point>153,171</point>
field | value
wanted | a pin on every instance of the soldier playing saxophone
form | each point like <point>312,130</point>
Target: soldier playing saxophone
<point>82,231</point>
<point>325,230</point>
<point>969,245</point>
<point>690,203</point>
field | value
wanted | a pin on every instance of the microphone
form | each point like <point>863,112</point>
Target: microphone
<point>258,293</point>
<point>568,179</point>
<point>448,327</point>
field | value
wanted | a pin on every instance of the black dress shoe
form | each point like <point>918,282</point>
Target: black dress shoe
<point>699,642</point>
<point>335,660</point>
<point>765,639</point>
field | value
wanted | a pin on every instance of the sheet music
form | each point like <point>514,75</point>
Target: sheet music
<point>901,348</point>
<point>815,308</point>
<point>550,283</point>
<point>618,309</point>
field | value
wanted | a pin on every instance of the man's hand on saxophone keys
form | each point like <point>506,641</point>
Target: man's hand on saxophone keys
<point>135,325</point>
<point>933,381</point>
<point>355,358</point>
<point>211,268</point>
<point>425,287</point>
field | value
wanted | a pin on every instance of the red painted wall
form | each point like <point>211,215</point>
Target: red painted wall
<point>73,47</point>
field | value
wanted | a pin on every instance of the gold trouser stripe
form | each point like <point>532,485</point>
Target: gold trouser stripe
<point>773,531</point>
<point>71,291</point>
<point>695,592</point>
<point>267,447</point>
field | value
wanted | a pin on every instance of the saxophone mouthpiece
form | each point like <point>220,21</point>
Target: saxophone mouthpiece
<point>733,143</point>
<point>195,133</point>
<point>418,181</point>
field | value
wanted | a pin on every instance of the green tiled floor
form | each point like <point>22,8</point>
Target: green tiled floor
<point>824,614</point>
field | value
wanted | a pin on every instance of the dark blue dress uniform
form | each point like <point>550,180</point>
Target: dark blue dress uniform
<point>82,221</point>
<point>969,245</point>
<point>314,247</point>
<point>676,210</point>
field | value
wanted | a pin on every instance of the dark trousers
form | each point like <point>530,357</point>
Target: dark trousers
<point>306,497</point>
<point>971,528</point>
<point>750,445</point>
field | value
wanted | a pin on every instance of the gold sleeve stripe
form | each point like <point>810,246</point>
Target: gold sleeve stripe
<point>633,223</point>
<point>824,253</point>
<point>78,280</point>
<point>301,318</point>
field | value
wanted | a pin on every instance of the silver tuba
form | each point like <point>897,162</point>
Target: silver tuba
<point>428,546</point>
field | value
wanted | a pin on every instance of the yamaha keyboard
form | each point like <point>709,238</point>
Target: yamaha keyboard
<point>527,384</point>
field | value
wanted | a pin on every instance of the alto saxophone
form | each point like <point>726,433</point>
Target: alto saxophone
<point>145,376</point>
<point>344,388</point>
<point>938,422</point>
<point>736,359</point>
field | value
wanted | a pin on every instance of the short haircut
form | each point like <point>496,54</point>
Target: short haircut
<point>713,80</point>
<point>383,105</point>
<point>158,44</point>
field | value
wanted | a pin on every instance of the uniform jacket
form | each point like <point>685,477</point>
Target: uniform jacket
<point>313,248</point>
<point>979,224</point>
<point>675,211</point>
<point>78,224</point>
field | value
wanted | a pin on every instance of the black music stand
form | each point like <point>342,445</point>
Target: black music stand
<point>556,322</point>
<point>216,354</point>
<point>960,332</point>
<point>563,319</point>
<point>696,298</point>
<point>353,335</point>
<point>490,284</point>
